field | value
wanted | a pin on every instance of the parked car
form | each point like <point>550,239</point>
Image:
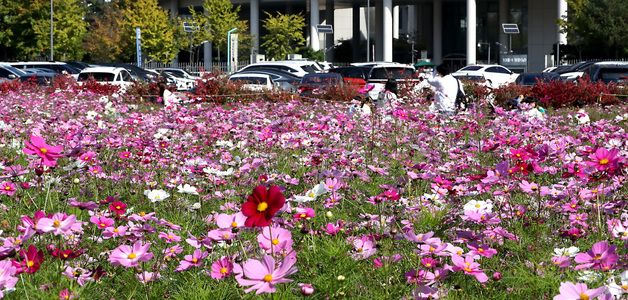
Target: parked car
<point>107,75</point>
<point>296,67</point>
<point>573,72</point>
<point>180,73</point>
<point>316,84</point>
<point>608,72</point>
<point>136,72</point>
<point>283,80</point>
<point>380,73</point>
<point>353,75</point>
<point>495,75</point>
<point>79,65</point>
<point>8,72</point>
<point>530,79</point>
<point>253,82</point>
<point>58,67</point>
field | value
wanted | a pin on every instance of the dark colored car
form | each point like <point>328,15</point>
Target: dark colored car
<point>11,73</point>
<point>136,72</point>
<point>318,83</point>
<point>353,75</point>
<point>608,72</point>
<point>78,64</point>
<point>530,79</point>
<point>58,67</point>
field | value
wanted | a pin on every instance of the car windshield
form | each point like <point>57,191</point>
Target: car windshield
<point>391,73</point>
<point>15,71</point>
<point>619,75</point>
<point>322,79</point>
<point>98,76</point>
<point>471,68</point>
<point>309,68</point>
<point>249,80</point>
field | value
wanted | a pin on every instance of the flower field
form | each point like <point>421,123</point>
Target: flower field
<point>102,198</point>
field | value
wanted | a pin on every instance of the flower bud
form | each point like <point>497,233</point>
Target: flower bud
<point>306,289</point>
<point>497,276</point>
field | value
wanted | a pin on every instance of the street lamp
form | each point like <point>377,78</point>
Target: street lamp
<point>51,33</point>
<point>368,29</point>
<point>488,59</point>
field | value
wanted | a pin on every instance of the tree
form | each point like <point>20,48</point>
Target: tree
<point>157,29</point>
<point>598,27</point>
<point>25,28</point>
<point>103,43</point>
<point>285,35</point>
<point>217,18</point>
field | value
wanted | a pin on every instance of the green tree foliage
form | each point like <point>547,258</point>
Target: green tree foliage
<point>158,30</point>
<point>25,28</point>
<point>103,43</point>
<point>285,35</point>
<point>217,18</point>
<point>598,27</point>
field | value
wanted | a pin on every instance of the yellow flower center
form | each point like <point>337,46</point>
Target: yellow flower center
<point>234,224</point>
<point>43,150</point>
<point>625,287</point>
<point>428,265</point>
<point>30,263</point>
<point>478,205</point>
<point>597,257</point>
<point>302,215</point>
<point>268,278</point>
<point>116,230</point>
<point>275,242</point>
<point>518,155</point>
<point>118,207</point>
<point>7,187</point>
<point>142,213</point>
<point>262,206</point>
<point>603,161</point>
<point>584,296</point>
<point>223,270</point>
<point>56,223</point>
<point>481,250</point>
<point>132,256</point>
<point>432,249</point>
<point>103,225</point>
<point>195,260</point>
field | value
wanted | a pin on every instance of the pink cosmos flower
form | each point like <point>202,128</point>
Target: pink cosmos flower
<point>332,184</point>
<point>305,213</point>
<point>529,187</point>
<point>363,247</point>
<point>7,276</point>
<point>604,159</point>
<point>65,294</point>
<point>128,256</point>
<point>481,250</point>
<point>194,260</point>
<point>169,237</point>
<point>602,256</point>
<point>59,224</point>
<point>172,251</point>
<point>8,188</point>
<point>561,261</point>
<point>225,221</point>
<point>281,240</point>
<point>101,222</point>
<point>113,232</point>
<point>469,267</point>
<point>146,277</point>
<point>578,291</point>
<point>332,229</point>
<point>124,155</point>
<point>262,276</point>
<point>221,235</point>
<point>37,146</point>
<point>221,268</point>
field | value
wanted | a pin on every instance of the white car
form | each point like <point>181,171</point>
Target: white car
<point>253,82</point>
<point>107,75</point>
<point>495,75</point>
<point>296,67</point>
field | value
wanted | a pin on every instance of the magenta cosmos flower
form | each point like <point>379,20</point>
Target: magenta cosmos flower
<point>604,159</point>
<point>128,256</point>
<point>262,276</point>
<point>578,291</point>
<point>469,266</point>
<point>221,268</point>
<point>602,256</point>
<point>8,188</point>
<point>37,146</point>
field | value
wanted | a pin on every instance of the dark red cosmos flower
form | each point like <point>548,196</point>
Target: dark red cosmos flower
<point>262,205</point>
<point>118,207</point>
<point>31,260</point>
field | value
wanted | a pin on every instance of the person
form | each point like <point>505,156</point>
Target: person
<point>389,95</point>
<point>167,96</point>
<point>446,89</point>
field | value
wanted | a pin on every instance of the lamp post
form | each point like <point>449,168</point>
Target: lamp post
<point>51,33</point>
<point>229,54</point>
<point>368,30</point>
<point>488,60</point>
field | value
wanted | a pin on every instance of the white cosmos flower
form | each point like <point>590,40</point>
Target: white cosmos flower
<point>156,195</point>
<point>187,189</point>
<point>217,172</point>
<point>571,251</point>
<point>618,290</point>
<point>479,206</point>
<point>312,194</point>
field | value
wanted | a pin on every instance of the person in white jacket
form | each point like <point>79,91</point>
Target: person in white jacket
<point>445,90</point>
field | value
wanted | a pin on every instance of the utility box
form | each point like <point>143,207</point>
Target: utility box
<point>295,56</point>
<point>255,58</point>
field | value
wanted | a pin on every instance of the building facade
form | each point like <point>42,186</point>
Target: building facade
<point>438,29</point>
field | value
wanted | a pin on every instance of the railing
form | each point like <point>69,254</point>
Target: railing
<point>194,68</point>
<point>575,61</point>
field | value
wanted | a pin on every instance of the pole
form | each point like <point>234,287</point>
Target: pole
<point>52,58</point>
<point>368,30</point>
<point>489,53</point>
<point>558,53</point>
<point>229,48</point>
<point>509,43</point>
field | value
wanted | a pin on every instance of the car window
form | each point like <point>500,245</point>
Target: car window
<point>4,73</point>
<point>98,76</point>
<point>126,76</point>
<point>499,70</point>
<point>613,75</point>
<point>391,73</point>
<point>309,69</point>
<point>471,68</point>
<point>249,80</point>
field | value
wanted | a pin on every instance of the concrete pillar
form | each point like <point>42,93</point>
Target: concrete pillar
<point>254,23</point>
<point>314,20</point>
<point>471,34</point>
<point>387,36</point>
<point>207,56</point>
<point>503,18</point>
<point>356,35</point>
<point>562,14</point>
<point>329,38</point>
<point>437,27</point>
<point>379,31</point>
<point>395,21</point>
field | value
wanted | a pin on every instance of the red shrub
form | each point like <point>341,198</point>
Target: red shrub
<point>508,92</point>
<point>581,92</point>
<point>99,88</point>
<point>10,85</point>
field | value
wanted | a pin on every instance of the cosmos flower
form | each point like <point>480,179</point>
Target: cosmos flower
<point>262,205</point>
<point>48,154</point>
<point>263,276</point>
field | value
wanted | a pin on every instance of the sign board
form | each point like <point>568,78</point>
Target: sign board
<point>138,46</point>
<point>514,59</point>
<point>324,28</point>
<point>510,28</point>
<point>233,51</point>
<point>190,27</point>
